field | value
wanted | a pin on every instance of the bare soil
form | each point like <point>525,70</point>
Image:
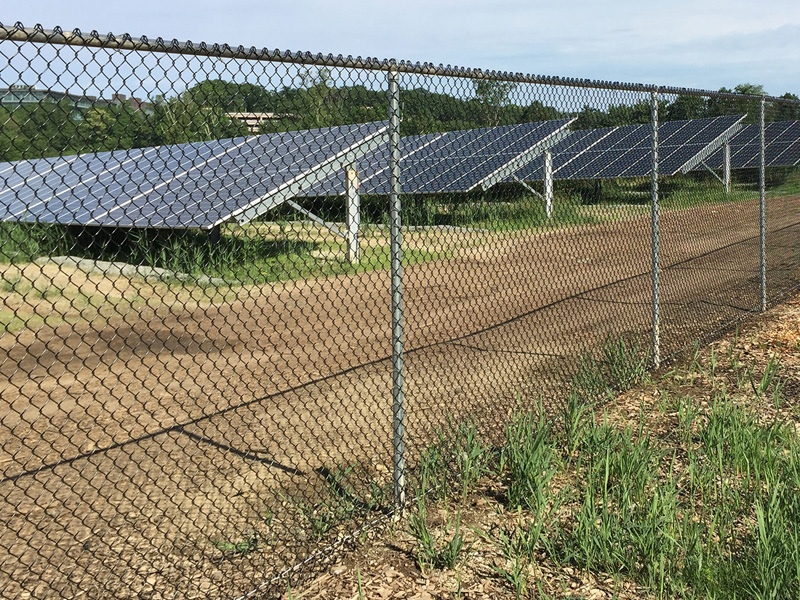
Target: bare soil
<point>140,430</point>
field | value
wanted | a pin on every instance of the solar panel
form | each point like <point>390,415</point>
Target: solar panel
<point>192,185</point>
<point>564,153</point>
<point>782,148</point>
<point>454,161</point>
<point>626,151</point>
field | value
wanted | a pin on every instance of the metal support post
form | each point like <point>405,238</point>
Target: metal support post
<point>353,215</point>
<point>548,183</point>
<point>398,411</point>
<point>726,167</point>
<point>654,229</point>
<point>762,205</point>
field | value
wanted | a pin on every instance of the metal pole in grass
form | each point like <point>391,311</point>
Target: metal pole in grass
<point>654,229</point>
<point>762,205</point>
<point>398,412</point>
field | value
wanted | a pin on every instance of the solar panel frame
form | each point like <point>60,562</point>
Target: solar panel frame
<point>192,185</point>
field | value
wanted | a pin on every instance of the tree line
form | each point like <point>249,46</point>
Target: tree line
<point>202,113</point>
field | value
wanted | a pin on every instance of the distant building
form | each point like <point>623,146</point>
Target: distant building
<point>22,95</point>
<point>253,120</point>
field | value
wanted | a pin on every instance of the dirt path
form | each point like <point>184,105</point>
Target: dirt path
<point>130,444</point>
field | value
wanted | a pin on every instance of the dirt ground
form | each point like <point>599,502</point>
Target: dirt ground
<point>138,441</point>
<point>384,566</point>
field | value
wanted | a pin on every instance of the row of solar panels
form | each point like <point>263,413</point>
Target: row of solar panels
<point>782,147</point>
<point>449,162</point>
<point>204,184</point>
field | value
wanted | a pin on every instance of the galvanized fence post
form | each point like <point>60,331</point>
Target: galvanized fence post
<point>398,410</point>
<point>654,229</point>
<point>762,205</point>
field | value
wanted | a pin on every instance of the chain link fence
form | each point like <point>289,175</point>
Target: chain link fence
<point>244,290</point>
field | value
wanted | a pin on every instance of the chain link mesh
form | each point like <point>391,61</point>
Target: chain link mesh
<point>199,378</point>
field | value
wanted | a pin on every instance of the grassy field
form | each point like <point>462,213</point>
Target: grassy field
<point>687,485</point>
<point>281,250</point>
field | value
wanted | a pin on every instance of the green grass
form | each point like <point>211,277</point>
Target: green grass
<point>704,195</point>
<point>432,552</point>
<point>454,461</point>
<point>620,363</point>
<point>241,547</point>
<point>10,322</point>
<point>236,259</point>
<point>526,212</point>
<point>528,459</point>
<point>784,182</point>
<point>23,242</point>
<point>711,510</point>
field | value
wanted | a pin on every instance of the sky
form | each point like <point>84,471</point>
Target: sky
<point>702,44</point>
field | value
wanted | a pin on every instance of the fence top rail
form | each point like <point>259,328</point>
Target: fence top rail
<point>38,34</point>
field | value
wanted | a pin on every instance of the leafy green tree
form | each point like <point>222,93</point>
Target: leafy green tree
<point>686,107</point>
<point>115,127</point>
<point>785,111</point>
<point>230,96</point>
<point>738,106</point>
<point>592,118</point>
<point>39,130</point>
<point>537,111</point>
<point>493,97</point>
<point>431,112</point>
<point>9,135</point>
<point>180,119</point>
<point>319,104</point>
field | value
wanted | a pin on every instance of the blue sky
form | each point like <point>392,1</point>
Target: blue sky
<point>706,44</point>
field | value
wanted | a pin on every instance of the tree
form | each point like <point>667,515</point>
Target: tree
<point>230,96</point>
<point>592,118</point>
<point>686,107</point>
<point>39,130</point>
<point>115,127</point>
<point>181,119</point>
<point>537,111</point>
<point>319,104</point>
<point>493,96</point>
<point>785,111</point>
<point>738,106</point>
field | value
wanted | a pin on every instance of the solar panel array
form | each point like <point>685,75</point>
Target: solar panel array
<point>192,185</point>
<point>782,148</point>
<point>455,161</point>
<point>564,152</point>
<point>626,151</point>
<point>202,184</point>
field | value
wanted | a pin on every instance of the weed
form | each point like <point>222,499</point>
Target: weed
<point>456,460</point>
<point>529,458</point>
<point>430,552</point>
<point>360,589</point>
<point>767,379</point>
<point>12,284</point>
<point>589,382</point>
<point>241,547</point>
<point>624,361</point>
<point>622,365</point>
<point>575,414</point>
<point>512,548</point>
<point>712,358</point>
<point>687,412</point>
